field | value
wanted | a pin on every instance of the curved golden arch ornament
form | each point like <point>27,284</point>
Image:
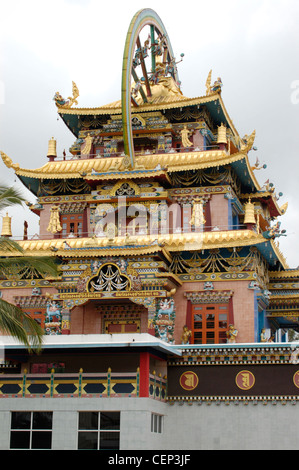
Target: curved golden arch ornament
<point>96,276</point>
<point>142,18</point>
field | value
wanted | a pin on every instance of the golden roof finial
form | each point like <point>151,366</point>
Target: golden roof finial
<point>249,213</point>
<point>208,83</point>
<point>6,226</point>
<point>62,103</point>
<point>52,149</point>
<point>222,139</point>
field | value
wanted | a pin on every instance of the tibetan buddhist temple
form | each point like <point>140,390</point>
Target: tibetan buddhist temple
<point>172,286</point>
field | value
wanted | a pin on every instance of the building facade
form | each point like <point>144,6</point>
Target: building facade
<point>173,298</point>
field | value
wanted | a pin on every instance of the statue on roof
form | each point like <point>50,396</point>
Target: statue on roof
<point>159,45</point>
<point>62,103</point>
<point>88,144</point>
<point>158,73</point>
<point>185,134</point>
<point>141,52</point>
<point>216,87</point>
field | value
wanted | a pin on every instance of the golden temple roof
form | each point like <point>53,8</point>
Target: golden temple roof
<point>144,244</point>
<point>112,167</point>
<point>157,102</point>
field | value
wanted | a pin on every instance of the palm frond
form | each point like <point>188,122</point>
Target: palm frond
<point>8,245</point>
<point>27,267</point>
<point>13,321</point>
<point>44,265</point>
<point>10,197</point>
<point>16,323</point>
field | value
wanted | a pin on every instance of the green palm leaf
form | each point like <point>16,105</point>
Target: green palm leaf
<point>10,197</point>
<point>27,267</point>
<point>14,322</point>
<point>10,246</point>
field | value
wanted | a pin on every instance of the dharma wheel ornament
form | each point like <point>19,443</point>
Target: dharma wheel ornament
<point>148,63</point>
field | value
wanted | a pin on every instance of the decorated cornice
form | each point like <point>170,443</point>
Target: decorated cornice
<point>287,274</point>
<point>141,244</point>
<point>168,102</point>
<point>204,297</point>
<point>234,354</point>
<point>147,166</point>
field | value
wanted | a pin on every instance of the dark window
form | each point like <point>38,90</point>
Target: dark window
<point>99,430</point>
<point>31,430</point>
<point>156,423</point>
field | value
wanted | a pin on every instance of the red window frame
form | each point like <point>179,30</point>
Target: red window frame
<point>209,323</point>
<point>72,224</point>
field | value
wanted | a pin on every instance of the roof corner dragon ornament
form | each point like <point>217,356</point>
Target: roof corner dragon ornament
<point>62,103</point>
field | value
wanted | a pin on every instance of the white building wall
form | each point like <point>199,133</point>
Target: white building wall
<point>232,427</point>
<point>135,419</point>
<point>186,427</point>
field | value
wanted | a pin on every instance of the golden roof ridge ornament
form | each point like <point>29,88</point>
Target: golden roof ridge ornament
<point>62,103</point>
<point>283,208</point>
<point>52,154</point>
<point>8,161</point>
<point>246,143</point>
<point>215,88</point>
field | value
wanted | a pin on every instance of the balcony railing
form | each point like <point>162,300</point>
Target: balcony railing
<point>67,385</point>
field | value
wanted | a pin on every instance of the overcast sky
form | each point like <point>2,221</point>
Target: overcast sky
<point>251,44</point>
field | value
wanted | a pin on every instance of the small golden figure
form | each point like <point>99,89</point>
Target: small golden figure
<point>232,334</point>
<point>186,335</point>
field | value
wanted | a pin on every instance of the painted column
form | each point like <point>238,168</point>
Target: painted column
<point>144,374</point>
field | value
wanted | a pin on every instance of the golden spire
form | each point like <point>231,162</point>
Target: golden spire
<point>6,226</point>
<point>52,149</point>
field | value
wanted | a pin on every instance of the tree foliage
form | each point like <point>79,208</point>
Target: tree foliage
<point>15,262</point>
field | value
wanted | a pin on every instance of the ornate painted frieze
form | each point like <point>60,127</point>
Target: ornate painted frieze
<point>235,374</point>
<point>209,296</point>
